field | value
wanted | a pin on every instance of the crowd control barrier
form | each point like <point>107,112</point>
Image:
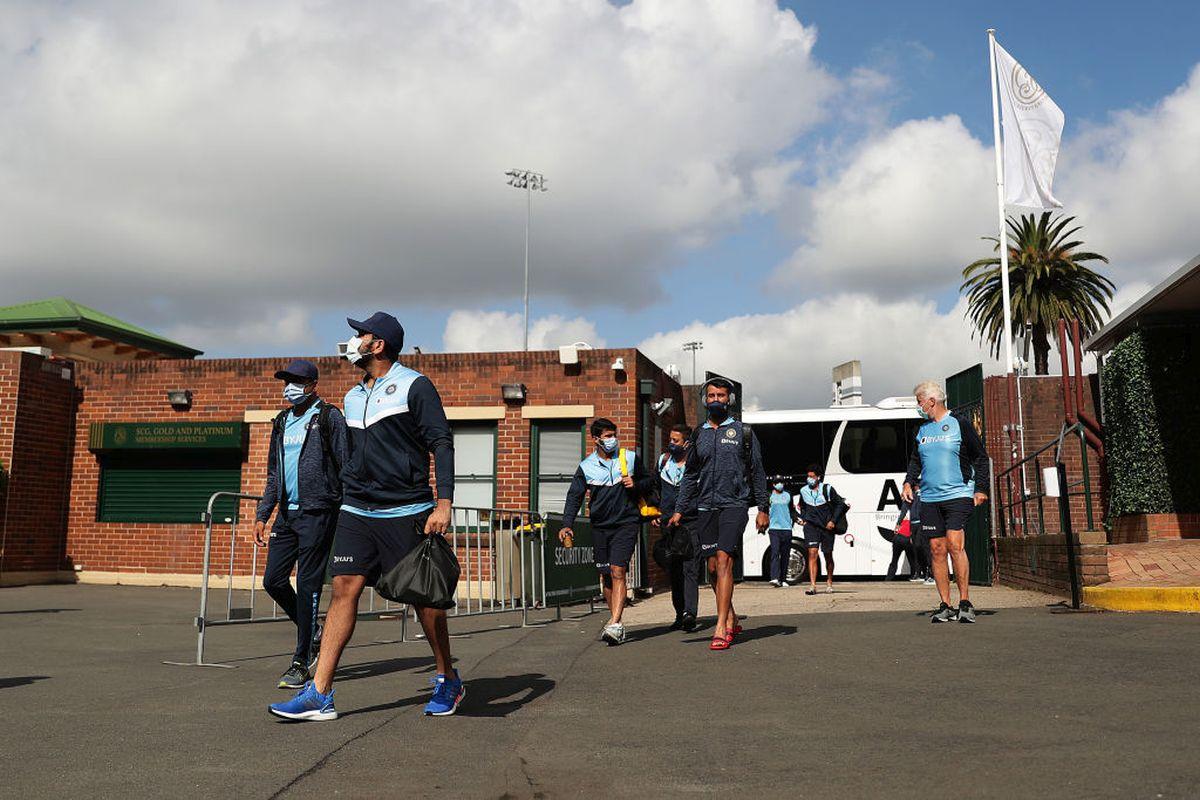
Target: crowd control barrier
<point>503,555</point>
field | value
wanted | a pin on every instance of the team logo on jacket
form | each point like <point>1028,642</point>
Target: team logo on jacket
<point>391,389</point>
<point>730,434</point>
<point>945,427</point>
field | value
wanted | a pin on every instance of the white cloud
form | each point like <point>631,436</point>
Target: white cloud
<point>1135,184</point>
<point>785,359</point>
<point>485,331</point>
<point>210,154</point>
<point>904,211</point>
<point>904,215</point>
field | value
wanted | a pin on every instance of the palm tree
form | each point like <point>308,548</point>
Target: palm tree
<point>1048,280</point>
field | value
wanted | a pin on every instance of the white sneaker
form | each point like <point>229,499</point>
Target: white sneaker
<point>828,590</point>
<point>774,583</point>
<point>614,633</point>
<point>930,582</point>
<point>916,579</point>
<point>784,583</point>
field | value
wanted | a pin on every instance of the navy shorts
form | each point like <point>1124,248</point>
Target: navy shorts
<point>614,545</point>
<point>720,529</point>
<point>816,536</point>
<point>947,515</point>
<point>371,546</point>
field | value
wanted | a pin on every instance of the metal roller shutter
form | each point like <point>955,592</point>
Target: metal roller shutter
<point>166,487</point>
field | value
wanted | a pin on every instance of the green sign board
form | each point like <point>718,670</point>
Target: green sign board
<point>105,436</point>
<point>571,575</point>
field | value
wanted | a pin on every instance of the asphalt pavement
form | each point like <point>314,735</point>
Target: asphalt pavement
<point>1033,701</point>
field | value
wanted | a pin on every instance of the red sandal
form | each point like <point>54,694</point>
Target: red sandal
<point>718,643</point>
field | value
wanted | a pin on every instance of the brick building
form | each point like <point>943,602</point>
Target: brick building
<point>107,462</point>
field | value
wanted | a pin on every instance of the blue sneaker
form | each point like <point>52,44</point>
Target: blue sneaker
<point>308,704</point>
<point>447,694</point>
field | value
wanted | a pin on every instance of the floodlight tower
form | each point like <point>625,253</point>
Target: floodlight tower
<point>531,182</point>
<point>692,347</point>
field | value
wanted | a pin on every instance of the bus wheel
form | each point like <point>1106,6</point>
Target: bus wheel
<point>797,570</point>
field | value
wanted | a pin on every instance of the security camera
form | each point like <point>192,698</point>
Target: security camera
<point>618,365</point>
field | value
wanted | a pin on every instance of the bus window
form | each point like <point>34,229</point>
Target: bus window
<point>874,446</point>
<point>789,447</point>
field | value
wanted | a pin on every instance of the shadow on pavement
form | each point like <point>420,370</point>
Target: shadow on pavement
<point>39,611</point>
<point>384,666</point>
<point>751,634</point>
<point>486,697</point>
<point>23,680</point>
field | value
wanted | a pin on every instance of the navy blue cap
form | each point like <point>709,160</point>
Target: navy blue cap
<point>299,370</point>
<point>383,326</point>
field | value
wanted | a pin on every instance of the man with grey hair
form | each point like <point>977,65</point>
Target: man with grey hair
<point>952,465</point>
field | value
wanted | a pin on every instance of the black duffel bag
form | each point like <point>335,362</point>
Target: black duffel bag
<point>428,576</point>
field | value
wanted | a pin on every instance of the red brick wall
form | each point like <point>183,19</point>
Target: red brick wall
<point>1040,562</point>
<point>36,417</point>
<point>224,389</point>
<point>1042,406</point>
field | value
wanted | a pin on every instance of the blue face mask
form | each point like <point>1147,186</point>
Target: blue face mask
<point>717,410</point>
<point>294,393</point>
<point>812,482</point>
<point>779,487</point>
<point>609,444</point>
<point>924,414</point>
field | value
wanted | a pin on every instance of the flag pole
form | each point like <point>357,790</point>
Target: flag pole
<point>1004,293</point>
<point>1003,223</point>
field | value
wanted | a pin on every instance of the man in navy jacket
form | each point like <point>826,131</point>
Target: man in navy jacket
<point>307,450</point>
<point>396,421</point>
<point>614,479</point>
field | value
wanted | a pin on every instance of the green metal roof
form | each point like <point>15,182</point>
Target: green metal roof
<point>59,313</point>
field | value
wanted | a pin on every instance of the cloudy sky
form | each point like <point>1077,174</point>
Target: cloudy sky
<point>795,184</point>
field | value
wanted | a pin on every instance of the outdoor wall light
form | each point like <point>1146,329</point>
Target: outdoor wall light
<point>180,398</point>
<point>618,365</point>
<point>512,391</point>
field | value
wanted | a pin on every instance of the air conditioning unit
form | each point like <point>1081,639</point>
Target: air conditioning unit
<point>569,353</point>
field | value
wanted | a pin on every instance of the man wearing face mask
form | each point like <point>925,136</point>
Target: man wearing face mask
<point>822,509</point>
<point>951,464</point>
<point>395,421</point>
<point>724,479</point>
<point>614,513</point>
<point>308,447</point>
<point>782,518</point>
<point>684,572</point>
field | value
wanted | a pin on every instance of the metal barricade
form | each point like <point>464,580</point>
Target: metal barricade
<point>499,552</point>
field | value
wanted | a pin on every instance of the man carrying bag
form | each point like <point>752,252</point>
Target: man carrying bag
<point>396,421</point>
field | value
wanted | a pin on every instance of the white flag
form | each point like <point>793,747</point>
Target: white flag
<point>1033,127</point>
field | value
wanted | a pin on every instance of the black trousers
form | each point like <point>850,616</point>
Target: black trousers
<point>300,539</point>
<point>685,579</point>
<point>781,551</point>
<point>924,558</point>
<point>902,545</point>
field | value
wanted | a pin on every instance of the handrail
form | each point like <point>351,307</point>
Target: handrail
<point>1004,481</point>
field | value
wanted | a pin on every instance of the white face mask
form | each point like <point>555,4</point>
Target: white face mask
<point>294,393</point>
<point>609,444</point>
<point>352,354</point>
<point>779,487</point>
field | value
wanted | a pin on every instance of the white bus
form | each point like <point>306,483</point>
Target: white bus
<point>864,450</point>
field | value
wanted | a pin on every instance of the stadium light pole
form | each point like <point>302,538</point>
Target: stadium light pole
<point>693,347</point>
<point>531,182</point>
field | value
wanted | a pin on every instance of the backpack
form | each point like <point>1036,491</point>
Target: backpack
<point>330,458</point>
<point>842,525</point>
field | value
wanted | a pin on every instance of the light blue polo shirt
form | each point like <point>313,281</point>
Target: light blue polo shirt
<point>295,431</point>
